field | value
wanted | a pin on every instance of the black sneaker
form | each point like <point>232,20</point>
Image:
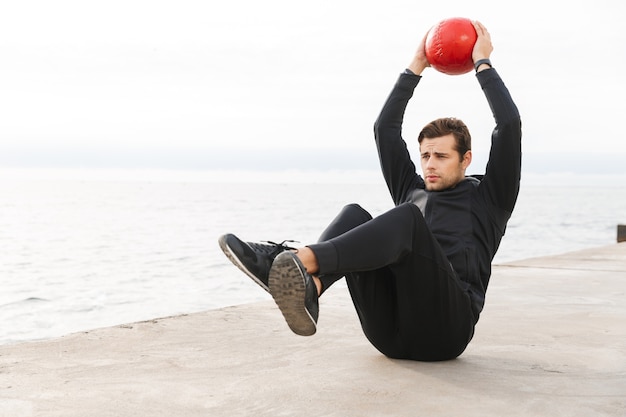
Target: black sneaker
<point>255,259</point>
<point>295,293</point>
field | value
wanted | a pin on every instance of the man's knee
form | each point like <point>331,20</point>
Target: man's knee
<point>354,210</point>
<point>349,217</point>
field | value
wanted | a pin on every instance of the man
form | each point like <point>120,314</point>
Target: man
<point>418,273</point>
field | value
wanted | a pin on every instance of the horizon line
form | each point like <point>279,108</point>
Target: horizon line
<point>253,176</point>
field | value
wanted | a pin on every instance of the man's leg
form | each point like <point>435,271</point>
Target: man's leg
<point>291,283</point>
<point>409,301</point>
<point>348,218</point>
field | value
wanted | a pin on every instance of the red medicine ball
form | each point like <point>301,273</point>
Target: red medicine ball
<point>449,46</point>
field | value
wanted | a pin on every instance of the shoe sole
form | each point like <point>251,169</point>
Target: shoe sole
<point>231,256</point>
<point>288,288</point>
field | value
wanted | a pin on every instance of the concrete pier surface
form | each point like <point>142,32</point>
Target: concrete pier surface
<point>551,342</point>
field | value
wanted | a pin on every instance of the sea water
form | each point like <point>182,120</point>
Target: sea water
<point>78,253</point>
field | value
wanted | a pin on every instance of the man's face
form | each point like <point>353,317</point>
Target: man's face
<point>441,166</point>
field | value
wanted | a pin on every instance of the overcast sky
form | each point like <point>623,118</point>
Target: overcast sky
<point>207,79</point>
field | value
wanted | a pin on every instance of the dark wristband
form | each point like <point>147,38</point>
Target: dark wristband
<point>480,62</point>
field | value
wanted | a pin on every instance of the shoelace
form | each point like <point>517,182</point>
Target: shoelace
<point>279,247</point>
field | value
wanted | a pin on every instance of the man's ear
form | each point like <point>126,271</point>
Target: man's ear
<point>467,159</point>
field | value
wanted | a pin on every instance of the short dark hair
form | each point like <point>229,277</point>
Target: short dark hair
<point>446,126</point>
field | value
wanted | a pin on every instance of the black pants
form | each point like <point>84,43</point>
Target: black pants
<point>408,299</point>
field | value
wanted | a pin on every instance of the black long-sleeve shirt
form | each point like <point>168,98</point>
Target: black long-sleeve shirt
<point>469,219</point>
